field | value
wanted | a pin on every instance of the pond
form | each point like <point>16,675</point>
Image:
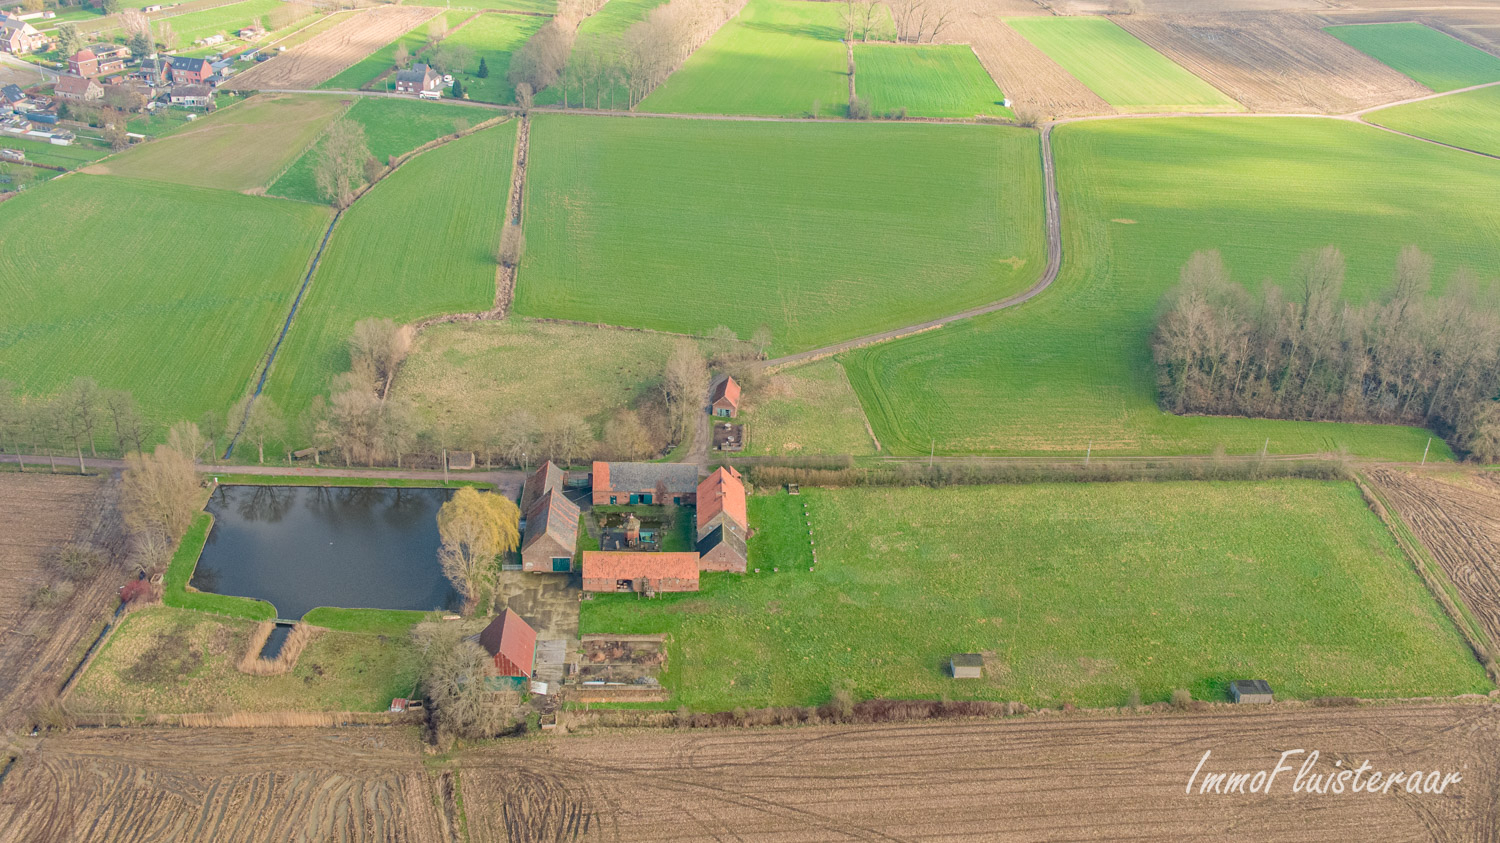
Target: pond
<point>301,547</point>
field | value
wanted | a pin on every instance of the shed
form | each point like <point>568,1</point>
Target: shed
<point>966,665</point>
<point>1250,691</point>
<point>512,643</point>
<point>461,460</point>
<point>725,398</point>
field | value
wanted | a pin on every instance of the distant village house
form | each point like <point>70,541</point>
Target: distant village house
<point>186,71</point>
<point>417,79</point>
<point>78,89</point>
<point>19,37</point>
<point>192,96</point>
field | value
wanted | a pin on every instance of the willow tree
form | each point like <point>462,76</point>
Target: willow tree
<point>476,529</point>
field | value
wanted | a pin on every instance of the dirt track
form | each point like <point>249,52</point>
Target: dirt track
<point>1036,778</point>
<point>326,54</point>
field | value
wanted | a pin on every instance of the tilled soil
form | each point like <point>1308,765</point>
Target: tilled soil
<point>326,54</point>
<point>1036,85</point>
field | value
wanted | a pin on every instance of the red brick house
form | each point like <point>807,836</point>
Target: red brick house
<point>551,534</point>
<point>18,36</point>
<point>625,483</point>
<point>723,522</point>
<point>84,63</point>
<point>639,572</point>
<point>547,477</point>
<point>724,401</point>
<point>186,71</point>
<point>511,642</point>
<point>78,88</point>
<point>418,78</point>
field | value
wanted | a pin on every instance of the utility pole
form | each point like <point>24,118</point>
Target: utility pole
<point>1425,450</point>
<point>445,466</point>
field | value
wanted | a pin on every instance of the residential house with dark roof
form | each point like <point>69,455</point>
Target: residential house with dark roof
<point>12,94</point>
<point>418,78</point>
<point>622,483</point>
<point>551,533</point>
<point>78,89</point>
<point>724,400</point>
<point>723,521</point>
<point>645,573</point>
<point>153,71</point>
<point>18,36</point>
<point>192,96</point>
<point>511,643</point>
<point>187,71</point>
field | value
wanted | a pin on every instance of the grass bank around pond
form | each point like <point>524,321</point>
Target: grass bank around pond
<point>164,660</point>
<point>177,593</point>
<point>1079,593</point>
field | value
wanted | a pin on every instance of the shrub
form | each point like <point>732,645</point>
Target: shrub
<point>50,596</point>
<point>1182,698</point>
<point>859,108</point>
<point>77,562</point>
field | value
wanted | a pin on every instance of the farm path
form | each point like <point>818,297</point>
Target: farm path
<point>504,478</point>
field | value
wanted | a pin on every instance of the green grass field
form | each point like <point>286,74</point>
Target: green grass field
<point>176,661</point>
<point>392,127</point>
<point>1075,593</point>
<point>1439,61</point>
<point>943,80</point>
<point>493,38</point>
<point>97,291</point>
<point>73,156</point>
<point>226,19</point>
<point>1073,367</point>
<point>776,58</point>
<point>1119,67</point>
<point>420,243</point>
<point>822,231</point>
<point>1470,120</point>
<point>240,148</point>
<point>609,22</point>
<point>368,69</point>
<point>809,409</point>
<point>545,7</point>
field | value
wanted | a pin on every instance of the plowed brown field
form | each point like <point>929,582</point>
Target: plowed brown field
<point>1038,778</point>
<point>1274,62</point>
<point>1459,523</point>
<point>38,514</point>
<point>316,61</point>
<point>1036,85</point>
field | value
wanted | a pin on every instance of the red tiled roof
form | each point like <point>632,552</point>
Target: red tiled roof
<point>601,476</point>
<point>727,389</point>
<point>723,492</point>
<point>510,639</point>
<point>86,54</point>
<point>614,565</point>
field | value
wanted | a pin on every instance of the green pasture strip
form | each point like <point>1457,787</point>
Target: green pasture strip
<point>180,572</point>
<point>1120,68</point>
<point>540,7</point>
<point>942,80</point>
<point>809,409</point>
<point>390,622</point>
<point>821,231</point>
<point>1080,593</point>
<point>1470,120</point>
<point>73,156</point>
<point>1432,58</point>
<point>1072,369</point>
<point>493,38</point>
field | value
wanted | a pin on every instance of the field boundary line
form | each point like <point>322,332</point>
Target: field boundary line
<point>307,149</point>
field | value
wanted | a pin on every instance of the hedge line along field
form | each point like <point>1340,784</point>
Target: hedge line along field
<point>493,38</point>
<point>1439,61</point>
<point>939,80</point>
<point>1077,593</point>
<point>392,127</point>
<point>609,22</point>
<point>1119,67</point>
<point>420,243</point>
<point>821,231</point>
<point>1072,369</point>
<point>1467,120</point>
<point>239,148</point>
<point>182,328</point>
<point>777,58</point>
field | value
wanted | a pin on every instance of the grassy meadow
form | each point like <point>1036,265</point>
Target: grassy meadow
<point>1470,120</point>
<point>545,7</point>
<point>420,243</point>
<point>820,231</point>
<point>176,661</point>
<point>1073,367</point>
<point>779,58</point>
<point>1439,61</point>
<point>97,292</point>
<point>240,148</point>
<point>808,409</point>
<point>223,19</point>
<point>935,80</point>
<point>1075,593</point>
<point>77,154</point>
<point>1119,67</point>
<point>392,127</point>
<point>493,38</point>
<point>368,69</point>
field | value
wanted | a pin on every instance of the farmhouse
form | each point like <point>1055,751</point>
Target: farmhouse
<point>418,78</point>
<point>644,573</point>
<point>644,482</point>
<point>192,96</point>
<point>547,477</point>
<point>551,533</point>
<point>511,642</point>
<point>186,71</point>
<point>84,63</point>
<point>724,401</point>
<point>1250,691</point>
<point>18,36</point>
<point>723,523</point>
<point>153,71</point>
<point>78,88</point>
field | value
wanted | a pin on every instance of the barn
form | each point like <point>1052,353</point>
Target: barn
<point>644,573</point>
<point>511,642</point>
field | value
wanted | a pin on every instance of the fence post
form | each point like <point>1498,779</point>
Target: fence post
<point>1425,450</point>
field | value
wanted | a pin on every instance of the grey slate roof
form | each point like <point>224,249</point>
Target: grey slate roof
<point>13,93</point>
<point>552,515</point>
<point>643,476</point>
<point>719,536</point>
<point>547,477</point>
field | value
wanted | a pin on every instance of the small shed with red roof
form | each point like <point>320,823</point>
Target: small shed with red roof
<point>725,399</point>
<point>511,642</point>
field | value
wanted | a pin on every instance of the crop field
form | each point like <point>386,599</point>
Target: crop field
<point>1439,61</point>
<point>183,328</point>
<point>820,231</point>
<point>780,58</point>
<point>383,61</point>
<point>380,263</point>
<point>1073,367</point>
<point>1458,521</point>
<point>228,19</point>
<point>393,127</point>
<point>39,514</point>
<point>809,409</point>
<point>943,80</point>
<point>1119,68</point>
<point>1076,593</point>
<point>1273,62</point>
<point>539,7</point>
<point>178,661</point>
<point>1467,120</point>
<point>609,22</point>
<point>240,148</point>
<point>1036,85</point>
<point>304,31</point>
<point>471,374</point>
<point>319,61</point>
<point>493,38</point>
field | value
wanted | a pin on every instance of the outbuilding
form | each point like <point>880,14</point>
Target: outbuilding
<point>645,573</point>
<point>725,399</point>
<point>966,665</point>
<point>1250,691</point>
<point>511,642</point>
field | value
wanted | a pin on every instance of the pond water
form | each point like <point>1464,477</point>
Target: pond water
<point>303,547</point>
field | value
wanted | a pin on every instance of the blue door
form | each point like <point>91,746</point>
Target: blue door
<point>562,564</point>
<point>646,499</point>
<point>635,499</point>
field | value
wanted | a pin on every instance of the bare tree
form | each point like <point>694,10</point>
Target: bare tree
<point>566,438</point>
<point>213,428</point>
<point>398,425</point>
<point>453,674</point>
<point>377,349</point>
<point>129,427</point>
<point>512,244</point>
<point>165,36</point>
<point>761,339</point>
<point>402,56</point>
<point>625,437</point>
<point>516,437</point>
<point>185,438</point>
<point>354,420</point>
<point>12,419</point>
<point>84,403</point>
<point>159,496</point>
<point>540,61</point>
<point>262,420</point>
<point>437,30</point>
<point>476,528</point>
<point>686,387</point>
<point>339,168</point>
